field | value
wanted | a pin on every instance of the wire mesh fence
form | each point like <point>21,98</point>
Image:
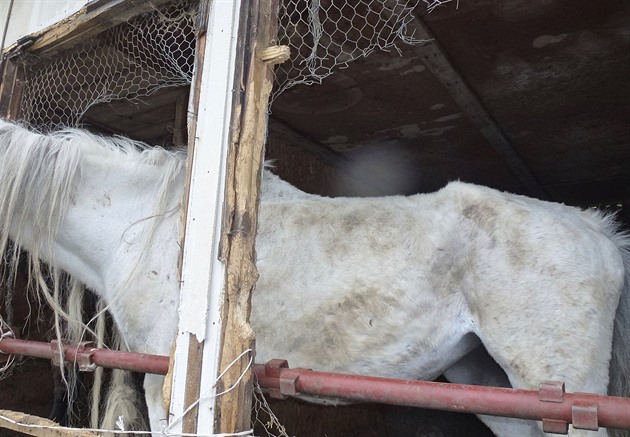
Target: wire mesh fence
<point>156,50</point>
<point>129,61</point>
<point>327,34</point>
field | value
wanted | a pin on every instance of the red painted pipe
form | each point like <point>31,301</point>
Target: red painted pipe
<point>550,404</point>
<point>86,356</point>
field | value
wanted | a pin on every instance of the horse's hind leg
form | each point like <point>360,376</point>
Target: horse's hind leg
<point>577,354</point>
<point>479,368</point>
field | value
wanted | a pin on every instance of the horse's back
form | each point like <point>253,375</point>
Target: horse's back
<point>366,274</point>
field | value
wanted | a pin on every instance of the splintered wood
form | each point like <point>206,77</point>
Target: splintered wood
<point>246,154</point>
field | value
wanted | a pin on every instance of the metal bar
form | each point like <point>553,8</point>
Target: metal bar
<point>550,404</point>
<point>584,410</point>
<point>87,355</point>
<point>144,363</point>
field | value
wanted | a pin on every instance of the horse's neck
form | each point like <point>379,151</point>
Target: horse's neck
<point>109,219</point>
<point>97,218</point>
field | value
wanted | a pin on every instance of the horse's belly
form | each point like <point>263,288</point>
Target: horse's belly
<point>384,337</point>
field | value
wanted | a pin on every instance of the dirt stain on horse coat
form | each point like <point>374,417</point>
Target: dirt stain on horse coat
<point>483,214</point>
<point>105,200</point>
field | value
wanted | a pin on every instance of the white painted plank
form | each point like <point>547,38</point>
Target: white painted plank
<point>203,274</point>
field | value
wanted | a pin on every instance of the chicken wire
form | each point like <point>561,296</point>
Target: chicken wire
<point>129,61</point>
<point>156,50</point>
<point>327,34</point>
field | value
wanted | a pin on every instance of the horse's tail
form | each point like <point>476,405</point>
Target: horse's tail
<point>123,403</point>
<point>619,384</point>
<point>123,406</point>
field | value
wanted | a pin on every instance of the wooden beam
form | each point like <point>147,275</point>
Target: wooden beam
<point>279,131</point>
<point>437,62</point>
<point>92,19</point>
<point>196,361</point>
<point>11,86</point>
<point>180,132</point>
<point>193,348</point>
<point>37,426</point>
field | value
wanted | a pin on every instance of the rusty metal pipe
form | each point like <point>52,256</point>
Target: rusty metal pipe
<point>87,356</point>
<point>550,403</point>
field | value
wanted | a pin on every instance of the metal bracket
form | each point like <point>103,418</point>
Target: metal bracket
<point>553,391</point>
<point>273,369</point>
<point>287,378</point>
<point>555,426</point>
<point>81,355</point>
<point>584,416</point>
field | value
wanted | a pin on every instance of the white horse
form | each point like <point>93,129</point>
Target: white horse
<point>404,287</point>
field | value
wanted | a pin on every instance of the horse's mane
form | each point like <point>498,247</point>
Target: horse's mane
<point>38,172</point>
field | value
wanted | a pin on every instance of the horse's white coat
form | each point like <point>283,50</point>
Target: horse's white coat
<point>403,287</point>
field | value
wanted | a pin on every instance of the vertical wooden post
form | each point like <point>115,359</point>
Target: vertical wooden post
<point>180,130</point>
<point>11,84</point>
<point>228,343</point>
<point>245,159</point>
